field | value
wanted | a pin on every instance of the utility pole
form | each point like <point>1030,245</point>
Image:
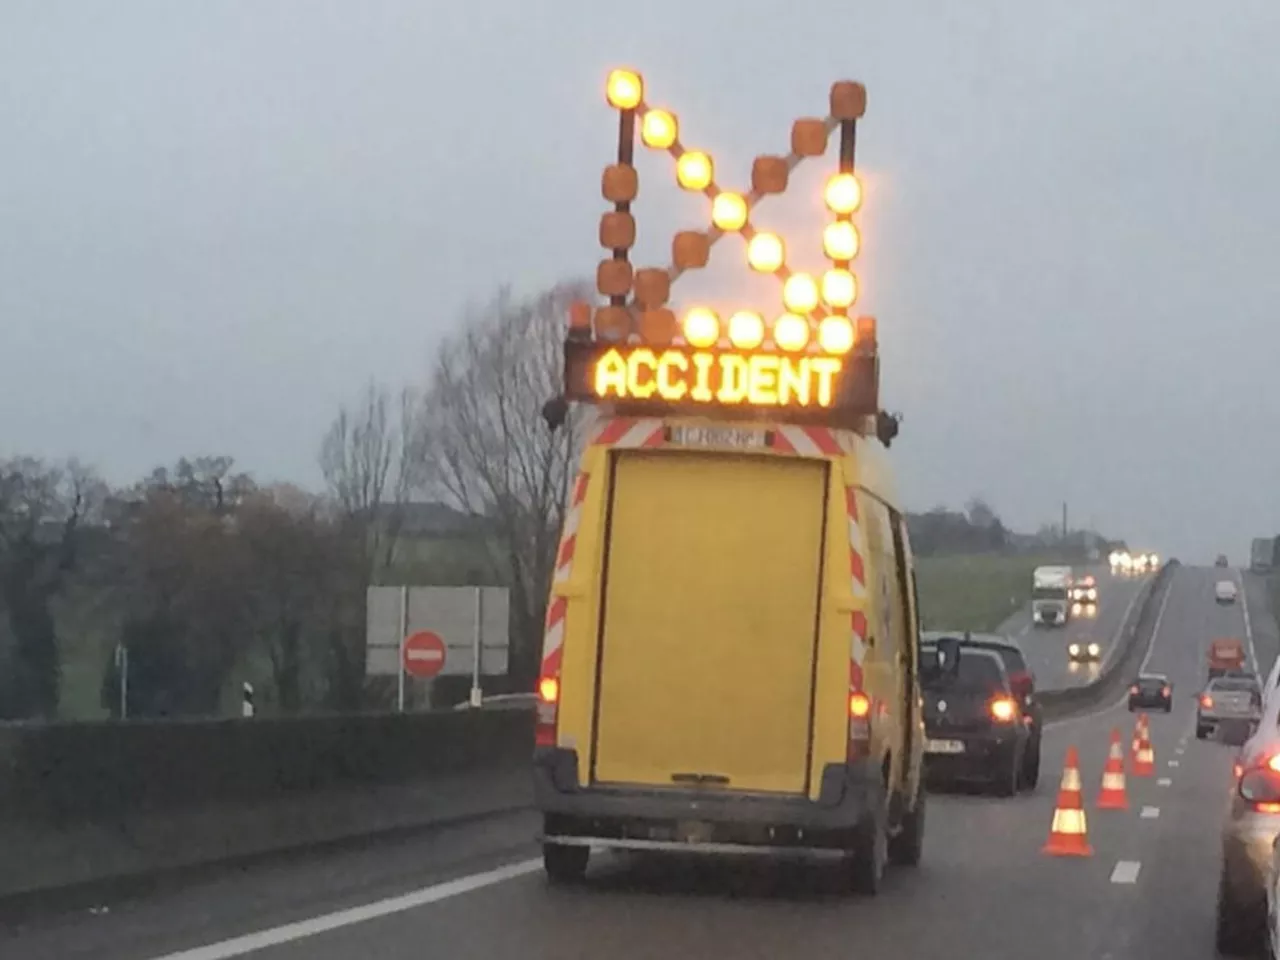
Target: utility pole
<point>1064,520</point>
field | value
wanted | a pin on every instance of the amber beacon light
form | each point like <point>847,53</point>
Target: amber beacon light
<point>806,356</point>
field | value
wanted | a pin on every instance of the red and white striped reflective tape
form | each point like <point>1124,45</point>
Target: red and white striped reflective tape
<point>628,432</point>
<point>569,535</point>
<point>808,441</point>
<point>858,584</point>
<point>553,638</point>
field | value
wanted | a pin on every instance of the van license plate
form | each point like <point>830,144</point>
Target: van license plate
<point>944,746</point>
<point>718,437</point>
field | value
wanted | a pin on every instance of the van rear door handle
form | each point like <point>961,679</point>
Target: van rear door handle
<point>718,779</point>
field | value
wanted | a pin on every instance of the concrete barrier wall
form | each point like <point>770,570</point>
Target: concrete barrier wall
<point>92,803</point>
<point>82,803</point>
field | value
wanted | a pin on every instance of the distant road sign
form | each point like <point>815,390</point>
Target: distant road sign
<point>424,654</point>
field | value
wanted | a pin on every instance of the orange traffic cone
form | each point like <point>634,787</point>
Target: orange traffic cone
<point>1113,796</point>
<point>1068,836</point>
<point>1137,736</point>
<point>1144,762</point>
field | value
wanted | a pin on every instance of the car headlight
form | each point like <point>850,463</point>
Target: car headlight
<point>1094,649</point>
<point>1093,594</point>
<point>1074,649</point>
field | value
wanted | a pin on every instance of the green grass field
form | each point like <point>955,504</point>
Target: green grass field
<point>976,592</point>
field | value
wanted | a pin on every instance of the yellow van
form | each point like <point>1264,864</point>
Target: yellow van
<point>731,652</point>
<point>731,660</point>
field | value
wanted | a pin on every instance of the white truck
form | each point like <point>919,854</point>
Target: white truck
<point>1260,554</point>
<point>1051,596</point>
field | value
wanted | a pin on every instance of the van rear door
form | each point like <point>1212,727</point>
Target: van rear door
<point>709,628</point>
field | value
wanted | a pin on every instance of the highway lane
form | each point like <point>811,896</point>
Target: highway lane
<point>984,889</point>
<point>1181,851</point>
<point>1046,648</point>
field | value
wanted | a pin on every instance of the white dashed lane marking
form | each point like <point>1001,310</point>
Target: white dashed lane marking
<point>1126,871</point>
<point>1173,763</point>
<point>1150,813</point>
<point>1163,782</point>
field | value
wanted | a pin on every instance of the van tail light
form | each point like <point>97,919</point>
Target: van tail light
<point>548,710</point>
<point>1259,785</point>
<point>1206,701</point>
<point>859,725</point>
<point>1003,709</point>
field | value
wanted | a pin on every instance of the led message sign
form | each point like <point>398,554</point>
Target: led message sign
<point>664,380</point>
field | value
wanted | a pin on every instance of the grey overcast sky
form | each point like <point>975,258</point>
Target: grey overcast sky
<point>217,217</point>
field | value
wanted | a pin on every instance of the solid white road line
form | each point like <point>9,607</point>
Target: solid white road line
<point>1155,631</point>
<point>1164,782</point>
<point>1150,813</point>
<point>1112,647</point>
<point>1126,871</point>
<point>1248,623</point>
<point>239,946</point>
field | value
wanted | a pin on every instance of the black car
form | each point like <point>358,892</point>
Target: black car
<point>1021,678</point>
<point>974,724</point>
<point>1153,691</point>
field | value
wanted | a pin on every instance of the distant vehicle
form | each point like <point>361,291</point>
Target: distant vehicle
<point>1085,590</point>
<point>1021,677</point>
<point>1221,560</point>
<point>1226,655</point>
<point>1224,591</point>
<point>1262,554</point>
<point>1247,884</point>
<point>1151,691</point>
<point>973,724</point>
<point>1050,596</point>
<point>1090,652</point>
<point>1227,699</point>
<point>1084,611</point>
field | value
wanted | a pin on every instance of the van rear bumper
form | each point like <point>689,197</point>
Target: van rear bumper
<point>655,817</point>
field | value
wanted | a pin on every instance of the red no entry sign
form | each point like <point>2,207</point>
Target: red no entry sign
<point>424,653</point>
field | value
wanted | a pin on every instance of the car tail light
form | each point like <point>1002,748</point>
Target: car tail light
<point>1260,785</point>
<point>1003,709</point>
<point>544,734</point>
<point>1166,691</point>
<point>859,725</point>
<point>1134,690</point>
<point>1206,701</point>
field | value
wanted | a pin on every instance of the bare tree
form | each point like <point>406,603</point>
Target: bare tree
<point>41,509</point>
<point>373,464</point>
<point>492,453</point>
<point>372,460</point>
